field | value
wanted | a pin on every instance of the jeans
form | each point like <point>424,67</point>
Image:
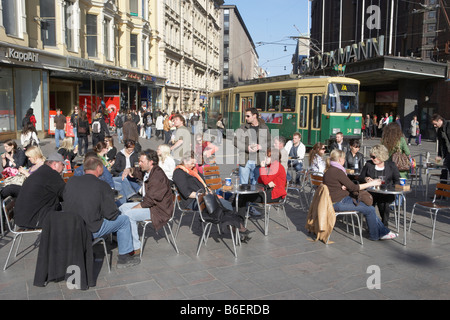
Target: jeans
<point>135,215</point>
<point>120,134</point>
<point>75,142</point>
<point>148,132</point>
<point>59,134</point>
<point>376,227</point>
<point>298,166</point>
<point>125,187</point>
<point>83,145</point>
<point>122,226</point>
<point>248,173</point>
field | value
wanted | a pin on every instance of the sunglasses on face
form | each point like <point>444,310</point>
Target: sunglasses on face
<point>373,157</point>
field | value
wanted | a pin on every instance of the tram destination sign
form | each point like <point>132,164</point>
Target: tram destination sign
<point>371,48</point>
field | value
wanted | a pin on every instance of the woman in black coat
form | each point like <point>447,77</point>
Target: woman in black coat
<point>380,166</point>
<point>83,132</point>
<point>120,162</point>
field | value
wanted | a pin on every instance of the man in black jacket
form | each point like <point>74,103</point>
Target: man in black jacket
<point>93,200</point>
<point>40,193</point>
<point>443,137</point>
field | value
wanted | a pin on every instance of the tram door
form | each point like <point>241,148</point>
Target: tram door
<point>310,118</point>
<point>246,102</point>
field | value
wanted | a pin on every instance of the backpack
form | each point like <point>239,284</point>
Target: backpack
<point>118,122</point>
<point>96,126</point>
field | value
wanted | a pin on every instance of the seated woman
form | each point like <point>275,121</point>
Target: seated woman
<point>340,186</point>
<point>380,166</point>
<point>316,160</point>
<point>124,183</point>
<point>354,159</point>
<point>13,157</point>
<point>112,151</point>
<point>37,159</point>
<point>101,149</point>
<point>273,176</point>
<point>67,150</point>
<point>204,152</point>
<point>188,181</point>
<point>166,162</point>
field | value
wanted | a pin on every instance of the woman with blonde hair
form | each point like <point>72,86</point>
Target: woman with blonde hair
<point>166,162</point>
<point>340,187</point>
<point>67,150</point>
<point>36,158</point>
<point>394,140</point>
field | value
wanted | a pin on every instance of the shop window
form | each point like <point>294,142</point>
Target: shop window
<point>91,35</point>
<point>6,100</point>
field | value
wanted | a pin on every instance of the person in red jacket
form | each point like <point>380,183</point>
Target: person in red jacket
<point>272,175</point>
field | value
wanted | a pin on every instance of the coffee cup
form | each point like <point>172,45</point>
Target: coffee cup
<point>402,181</point>
<point>228,181</point>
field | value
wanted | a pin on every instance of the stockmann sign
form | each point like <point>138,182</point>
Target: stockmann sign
<point>371,48</point>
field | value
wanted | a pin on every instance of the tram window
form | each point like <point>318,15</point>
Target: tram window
<point>317,112</point>
<point>303,112</point>
<point>250,103</point>
<point>236,102</point>
<point>288,100</point>
<point>260,101</point>
<point>342,98</point>
<point>273,101</point>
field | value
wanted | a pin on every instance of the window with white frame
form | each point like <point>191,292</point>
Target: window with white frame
<point>48,22</point>
<point>133,50</point>
<point>91,35</point>
<point>12,12</point>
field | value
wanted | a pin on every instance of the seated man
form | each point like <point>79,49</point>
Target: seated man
<point>93,200</point>
<point>106,176</point>
<point>340,143</point>
<point>296,152</point>
<point>157,202</point>
<point>40,193</point>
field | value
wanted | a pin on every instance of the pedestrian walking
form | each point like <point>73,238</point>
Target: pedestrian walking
<point>60,122</point>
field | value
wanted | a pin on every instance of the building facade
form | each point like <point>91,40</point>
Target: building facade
<point>397,49</point>
<point>239,59</point>
<point>187,51</point>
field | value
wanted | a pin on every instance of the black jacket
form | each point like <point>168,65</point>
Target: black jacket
<point>120,162</point>
<point>345,146</point>
<point>65,241</point>
<point>390,173</point>
<point>40,193</point>
<point>350,160</point>
<point>92,199</point>
<point>186,184</point>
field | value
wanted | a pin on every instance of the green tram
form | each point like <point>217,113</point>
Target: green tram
<point>317,107</point>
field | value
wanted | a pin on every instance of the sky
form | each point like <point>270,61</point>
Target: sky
<point>271,23</point>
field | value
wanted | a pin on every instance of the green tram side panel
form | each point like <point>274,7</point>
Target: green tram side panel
<point>287,127</point>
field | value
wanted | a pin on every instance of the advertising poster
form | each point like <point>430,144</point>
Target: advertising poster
<point>274,118</point>
<point>112,104</point>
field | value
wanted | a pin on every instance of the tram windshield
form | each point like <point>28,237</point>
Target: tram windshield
<point>342,98</point>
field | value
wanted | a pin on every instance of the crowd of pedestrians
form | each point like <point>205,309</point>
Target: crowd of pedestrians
<point>116,187</point>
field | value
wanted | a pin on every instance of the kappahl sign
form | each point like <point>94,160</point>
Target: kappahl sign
<point>22,56</point>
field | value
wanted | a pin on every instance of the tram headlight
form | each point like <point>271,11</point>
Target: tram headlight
<point>357,131</point>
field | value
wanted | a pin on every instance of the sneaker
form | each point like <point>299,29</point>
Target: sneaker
<point>125,261</point>
<point>391,235</point>
<point>254,212</point>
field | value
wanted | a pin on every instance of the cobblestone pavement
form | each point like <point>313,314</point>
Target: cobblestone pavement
<point>284,265</point>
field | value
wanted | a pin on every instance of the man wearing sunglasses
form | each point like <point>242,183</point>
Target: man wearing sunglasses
<point>252,140</point>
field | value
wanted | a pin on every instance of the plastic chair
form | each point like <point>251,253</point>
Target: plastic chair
<point>207,225</point>
<point>146,222</point>
<point>266,207</point>
<point>433,207</point>
<point>8,211</point>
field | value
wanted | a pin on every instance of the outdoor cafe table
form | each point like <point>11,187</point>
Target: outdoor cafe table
<point>401,194</point>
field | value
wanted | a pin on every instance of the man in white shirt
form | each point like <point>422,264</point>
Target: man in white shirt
<point>296,152</point>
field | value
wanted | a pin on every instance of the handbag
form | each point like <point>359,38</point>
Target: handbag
<point>401,160</point>
<point>214,207</point>
<point>82,130</point>
<point>363,196</point>
<point>18,179</point>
